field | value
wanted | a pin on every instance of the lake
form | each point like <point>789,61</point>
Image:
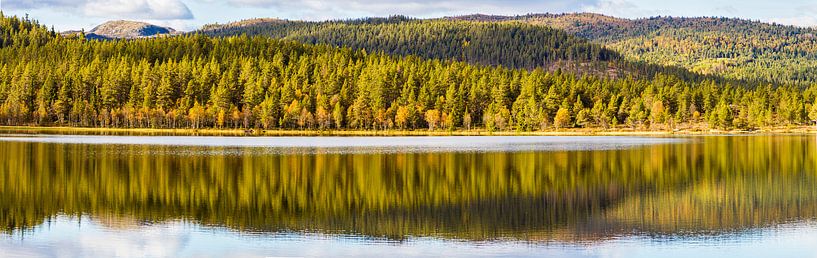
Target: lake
<point>177,196</point>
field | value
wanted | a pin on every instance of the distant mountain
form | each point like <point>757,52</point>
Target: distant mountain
<point>732,48</point>
<point>126,30</point>
<point>243,23</point>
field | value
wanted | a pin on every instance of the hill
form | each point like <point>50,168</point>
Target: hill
<point>125,30</point>
<point>732,48</point>
<point>519,46</point>
<point>514,45</point>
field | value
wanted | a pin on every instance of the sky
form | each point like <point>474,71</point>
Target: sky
<point>191,14</point>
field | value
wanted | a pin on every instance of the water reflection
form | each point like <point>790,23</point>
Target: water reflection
<point>705,186</point>
<point>341,145</point>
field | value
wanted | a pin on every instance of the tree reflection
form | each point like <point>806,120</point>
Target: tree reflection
<point>712,184</point>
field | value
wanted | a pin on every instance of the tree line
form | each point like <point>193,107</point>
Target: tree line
<point>196,81</point>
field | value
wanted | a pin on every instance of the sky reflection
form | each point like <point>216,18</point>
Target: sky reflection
<point>86,237</point>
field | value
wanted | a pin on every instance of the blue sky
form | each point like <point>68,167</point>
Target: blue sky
<point>190,14</point>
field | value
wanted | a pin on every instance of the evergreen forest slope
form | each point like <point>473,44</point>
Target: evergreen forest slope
<point>197,81</point>
<point>732,48</point>
<point>512,44</point>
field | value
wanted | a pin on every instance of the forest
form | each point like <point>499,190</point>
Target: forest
<point>198,81</point>
<point>525,46</point>
<point>513,45</point>
<point>733,48</point>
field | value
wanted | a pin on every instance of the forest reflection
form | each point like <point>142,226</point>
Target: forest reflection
<point>709,185</point>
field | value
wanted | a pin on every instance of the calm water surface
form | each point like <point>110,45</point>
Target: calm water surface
<point>102,196</point>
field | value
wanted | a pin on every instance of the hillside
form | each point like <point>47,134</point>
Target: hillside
<point>733,48</point>
<point>520,46</point>
<point>195,81</point>
<point>514,45</point>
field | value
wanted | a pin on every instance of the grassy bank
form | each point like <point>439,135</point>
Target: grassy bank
<point>257,132</point>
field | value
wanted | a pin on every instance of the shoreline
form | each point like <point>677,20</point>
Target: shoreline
<point>256,132</point>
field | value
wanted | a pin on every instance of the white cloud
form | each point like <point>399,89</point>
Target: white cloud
<point>726,10</point>
<point>112,9</point>
<point>151,9</point>
<point>32,4</point>
<point>802,21</point>
<point>617,8</point>
<point>803,17</point>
